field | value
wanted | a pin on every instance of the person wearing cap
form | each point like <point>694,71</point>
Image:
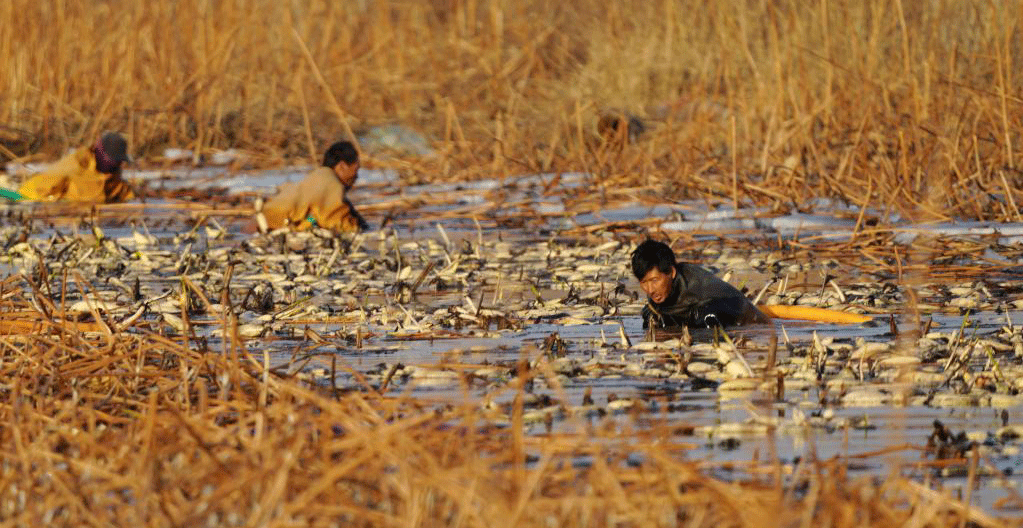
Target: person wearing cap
<point>89,174</point>
<point>683,295</point>
<point>320,199</point>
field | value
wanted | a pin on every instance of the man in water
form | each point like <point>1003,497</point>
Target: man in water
<point>89,174</point>
<point>321,198</point>
<point>684,295</point>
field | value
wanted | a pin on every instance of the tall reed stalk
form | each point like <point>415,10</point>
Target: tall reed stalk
<point>916,105</point>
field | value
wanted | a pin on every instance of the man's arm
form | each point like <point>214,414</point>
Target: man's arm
<point>723,311</point>
<point>359,220</point>
<point>647,314</point>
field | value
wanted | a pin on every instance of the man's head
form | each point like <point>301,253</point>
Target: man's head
<point>653,263</point>
<point>111,151</point>
<point>344,159</point>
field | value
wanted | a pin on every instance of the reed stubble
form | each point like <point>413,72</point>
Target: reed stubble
<point>133,428</point>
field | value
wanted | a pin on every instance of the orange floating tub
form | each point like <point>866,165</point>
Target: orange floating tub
<point>810,313</point>
<point>23,322</point>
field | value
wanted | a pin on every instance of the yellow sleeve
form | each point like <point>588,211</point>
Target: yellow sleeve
<point>44,188</point>
<point>52,184</point>
<point>75,179</point>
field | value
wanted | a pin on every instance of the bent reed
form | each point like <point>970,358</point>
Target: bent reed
<point>911,106</point>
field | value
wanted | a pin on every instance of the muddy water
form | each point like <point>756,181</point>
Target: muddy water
<point>604,370</point>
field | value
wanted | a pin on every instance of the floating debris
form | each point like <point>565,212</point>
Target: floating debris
<point>449,312</point>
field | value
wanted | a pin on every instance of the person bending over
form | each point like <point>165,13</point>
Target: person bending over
<point>683,295</point>
<point>89,174</point>
<point>320,199</point>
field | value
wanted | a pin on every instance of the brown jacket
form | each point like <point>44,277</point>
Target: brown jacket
<point>75,179</point>
<point>320,196</point>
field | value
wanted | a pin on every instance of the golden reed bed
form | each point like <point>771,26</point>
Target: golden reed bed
<point>910,105</point>
<point>130,428</point>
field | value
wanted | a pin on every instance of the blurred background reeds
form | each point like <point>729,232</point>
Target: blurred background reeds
<point>912,105</point>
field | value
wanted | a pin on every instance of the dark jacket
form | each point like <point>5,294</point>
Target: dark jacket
<point>699,299</point>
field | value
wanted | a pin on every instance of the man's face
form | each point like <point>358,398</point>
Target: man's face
<point>347,173</point>
<point>657,284</point>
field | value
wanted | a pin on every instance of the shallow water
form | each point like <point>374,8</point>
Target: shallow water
<point>628,384</point>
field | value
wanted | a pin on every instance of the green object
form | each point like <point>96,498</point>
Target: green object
<point>311,220</point>
<point>13,196</point>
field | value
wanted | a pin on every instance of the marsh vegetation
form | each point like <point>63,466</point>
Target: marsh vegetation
<point>476,360</point>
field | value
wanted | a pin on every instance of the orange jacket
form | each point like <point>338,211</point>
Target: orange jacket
<point>320,196</point>
<point>75,179</point>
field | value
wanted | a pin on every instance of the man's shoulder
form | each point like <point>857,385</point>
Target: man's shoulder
<point>71,164</point>
<point>323,175</point>
<point>707,284</point>
<point>315,183</point>
<point>83,156</point>
<point>692,270</point>
<point>76,160</point>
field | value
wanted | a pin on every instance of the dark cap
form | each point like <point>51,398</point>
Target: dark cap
<point>112,148</point>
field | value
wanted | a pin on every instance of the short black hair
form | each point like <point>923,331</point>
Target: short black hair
<point>651,254</point>
<point>341,151</point>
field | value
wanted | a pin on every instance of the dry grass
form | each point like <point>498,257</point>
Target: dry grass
<point>134,429</point>
<point>908,105</point>
<point>913,105</point>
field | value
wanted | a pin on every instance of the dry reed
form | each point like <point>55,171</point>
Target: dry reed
<point>135,429</point>
<point>909,105</point>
